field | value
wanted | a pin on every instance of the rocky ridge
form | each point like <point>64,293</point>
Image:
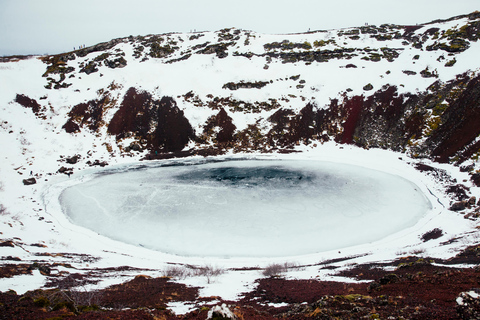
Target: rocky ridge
<point>437,121</point>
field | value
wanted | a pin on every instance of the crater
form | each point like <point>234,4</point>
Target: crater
<point>245,208</point>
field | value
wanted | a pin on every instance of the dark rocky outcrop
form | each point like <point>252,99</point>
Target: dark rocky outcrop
<point>458,192</point>
<point>280,123</point>
<point>287,45</point>
<point>99,47</point>
<point>458,206</point>
<point>158,51</point>
<point>440,123</point>
<point>388,120</point>
<point>89,115</point>
<point>245,85</point>
<point>476,179</point>
<point>455,136</point>
<point>119,62</point>
<point>74,159</point>
<point>468,304</point>
<point>29,181</point>
<point>64,170</point>
<point>224,123</point>
<point>97,163</point>
<point>28,103</point>
<point>379,120</point>
<point>432,234</point>
<point>159,125</point>
<point>368,87</point>
<point>90,68</point>
<point>313,56</point>
<point>220,49</point>
<point>289,128</point>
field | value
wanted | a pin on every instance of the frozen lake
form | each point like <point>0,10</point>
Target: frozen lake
<point>245,208</point>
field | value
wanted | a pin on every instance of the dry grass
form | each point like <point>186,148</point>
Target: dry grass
<point>276,269</point>
<point>3,210</point>
<point>182,272</point>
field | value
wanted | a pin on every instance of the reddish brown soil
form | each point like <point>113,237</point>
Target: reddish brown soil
<point>153,293</point>
<point>417,289</point>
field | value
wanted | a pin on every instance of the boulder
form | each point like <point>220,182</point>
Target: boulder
<point>221,312</point>
<point>368,87</point>
<point>73,160</point>
<point>64,170</point>
<point>471,202</point>
<point>29,181</point>
<point>458,206</point>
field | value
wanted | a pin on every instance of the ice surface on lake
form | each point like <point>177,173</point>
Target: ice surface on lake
<point>246,208</point>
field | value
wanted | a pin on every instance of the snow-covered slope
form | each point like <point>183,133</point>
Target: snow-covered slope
<point>401,99</point>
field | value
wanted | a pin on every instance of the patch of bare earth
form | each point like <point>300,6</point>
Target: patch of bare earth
<point>418,288</point>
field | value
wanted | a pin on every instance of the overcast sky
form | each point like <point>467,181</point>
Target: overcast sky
<point>55,26</point>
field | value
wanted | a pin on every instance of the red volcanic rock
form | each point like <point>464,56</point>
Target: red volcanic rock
<point>160,123</point>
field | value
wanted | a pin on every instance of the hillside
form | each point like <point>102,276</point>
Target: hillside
<point>400,99</point>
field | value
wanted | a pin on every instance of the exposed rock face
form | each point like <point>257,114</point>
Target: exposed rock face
<point>28,103</point>
<point>438,122</point>
<point>476,179</point>
<point>244,85</point>
<point>219,49</point>
<point>391,121</point>
<point>116,63</point>
<point>280,123</point>
<point>288,128</point>
<point>160,125</point>
<point>89,115</point>
<point>225,126</point>
<point>384,120</point>
<point>460,126</point>
<point>98,47</point>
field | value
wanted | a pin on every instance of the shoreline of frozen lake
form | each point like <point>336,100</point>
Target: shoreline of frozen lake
<point>248,208</point>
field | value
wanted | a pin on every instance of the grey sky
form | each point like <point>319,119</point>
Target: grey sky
<point>54,26</point>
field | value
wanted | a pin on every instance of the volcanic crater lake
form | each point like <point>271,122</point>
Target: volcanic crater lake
<point>245,208</point>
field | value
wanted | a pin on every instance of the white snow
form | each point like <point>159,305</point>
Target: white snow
<point>181,307</point>
<point>23,283</point>
<point>473,294</point>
